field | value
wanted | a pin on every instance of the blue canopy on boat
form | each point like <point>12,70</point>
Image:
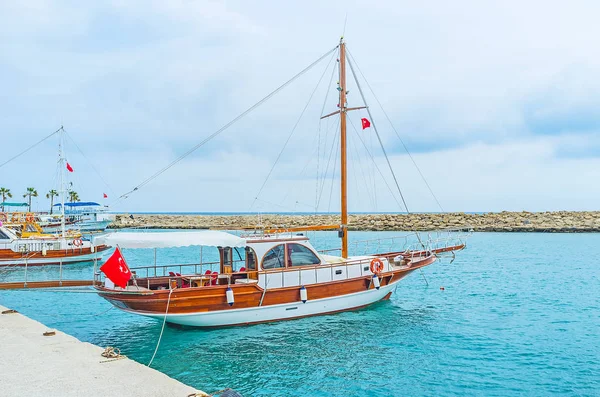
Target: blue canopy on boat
<point>7,204</point>
<point>79,204</point>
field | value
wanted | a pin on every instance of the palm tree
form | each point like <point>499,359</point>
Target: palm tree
<point>51,194</point>
<point>31,192</point>
<point>73,196</point>
<point>5,193</point>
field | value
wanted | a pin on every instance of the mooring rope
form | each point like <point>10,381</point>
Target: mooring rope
<point>112,354</point>
<point>163,327</point>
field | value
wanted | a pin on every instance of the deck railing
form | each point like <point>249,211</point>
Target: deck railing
<point>412,242</point>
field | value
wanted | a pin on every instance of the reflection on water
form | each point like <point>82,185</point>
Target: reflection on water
<point>517,316</point>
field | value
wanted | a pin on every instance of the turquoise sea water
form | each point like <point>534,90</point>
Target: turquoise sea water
<point>520,315</point>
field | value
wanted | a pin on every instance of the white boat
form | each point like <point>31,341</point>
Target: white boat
<point>41,249</point>
<point>23,242</point>
<point>84,216</point>
<point>278,275</point>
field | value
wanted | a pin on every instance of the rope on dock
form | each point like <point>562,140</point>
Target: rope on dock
<point>163,327</point>
<point>112,354</point>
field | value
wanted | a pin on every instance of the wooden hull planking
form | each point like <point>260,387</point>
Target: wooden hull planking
<point>207,306</point>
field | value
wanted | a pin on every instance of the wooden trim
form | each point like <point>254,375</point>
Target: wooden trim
<point>70,253</point>
<point>277,240</point>
<point>330,114</point>
<point>302,229</point>
<point>356,108</point>
<point>46,284</point>
<point>343,152</point>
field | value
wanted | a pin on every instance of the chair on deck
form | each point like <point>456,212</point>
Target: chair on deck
<point>184,284</point>
<point>213,277</point>
<point>238,276</point>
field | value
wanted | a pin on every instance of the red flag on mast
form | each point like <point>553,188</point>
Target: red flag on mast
<point>69,167</point>
<point>104,195</point>
<point>116,269</point>
<point>365,123</point>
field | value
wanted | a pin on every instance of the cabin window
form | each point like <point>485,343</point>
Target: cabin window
<point>226,255</point>
<point>3,236</point>
<point>300,255</point>
<point>250,259</point>
<point>275,258</point>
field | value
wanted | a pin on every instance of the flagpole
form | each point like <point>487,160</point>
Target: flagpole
<point>62,183</point>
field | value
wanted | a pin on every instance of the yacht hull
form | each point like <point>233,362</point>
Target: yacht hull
<point>279,312</point>
<point>11,258</point>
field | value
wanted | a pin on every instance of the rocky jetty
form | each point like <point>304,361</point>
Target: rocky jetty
<point>559,221</point>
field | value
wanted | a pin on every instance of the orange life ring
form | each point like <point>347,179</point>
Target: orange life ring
<point>376,265</point>
<point>3,217</point>
<point>77,242</point>
<point>15,217</point>
<point>29,217</point>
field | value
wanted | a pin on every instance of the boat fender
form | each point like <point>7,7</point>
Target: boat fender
<point>44,250</point>
<point>92,248</point>
<point>376,281</point>
<point>303,294</point>
<point>77,242</point>
<point>229,295</point>
<point>376,265</point>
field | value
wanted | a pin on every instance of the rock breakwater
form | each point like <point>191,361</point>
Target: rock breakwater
<point>558,221</point>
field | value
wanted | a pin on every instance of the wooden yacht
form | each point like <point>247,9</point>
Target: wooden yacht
<point>24,245</point>
<point>278,274</point>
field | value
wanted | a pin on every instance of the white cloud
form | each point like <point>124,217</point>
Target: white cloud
<point>474,87</point>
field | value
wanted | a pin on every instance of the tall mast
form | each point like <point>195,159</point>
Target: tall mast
<point>61,167</point>
<point>343,168</point>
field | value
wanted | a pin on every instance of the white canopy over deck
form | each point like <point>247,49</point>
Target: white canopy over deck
<point>207,238</point>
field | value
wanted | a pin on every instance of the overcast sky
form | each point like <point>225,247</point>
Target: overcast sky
<point>498,102</point>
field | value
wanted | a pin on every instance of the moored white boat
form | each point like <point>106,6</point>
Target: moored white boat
<point>279,275</point>
<point>45,249</point>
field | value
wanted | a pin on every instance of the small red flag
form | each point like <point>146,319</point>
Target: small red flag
<point>365,123</point>
<point>116,269</point>
<point>69,167</point>
<point>104,195</point>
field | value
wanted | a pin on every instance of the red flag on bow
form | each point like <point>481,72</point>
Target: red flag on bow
<point>116,269</point>
<point>104,195</point>
<point>365,123</point>
<point>69,167</point>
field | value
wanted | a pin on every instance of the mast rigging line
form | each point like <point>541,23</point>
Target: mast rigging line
<point>32,146</point>
<point>378,137</point>
<point>89,162</point>
<point>374,163</point>
<point>294,128</point>
<point>229,124</point>
<point>397,134</point>
<point>319,135</point>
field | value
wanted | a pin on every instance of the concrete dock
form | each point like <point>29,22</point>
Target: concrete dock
<point>61,365</point>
